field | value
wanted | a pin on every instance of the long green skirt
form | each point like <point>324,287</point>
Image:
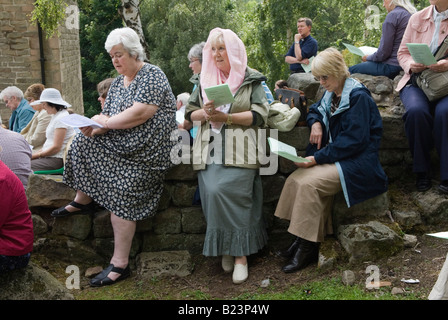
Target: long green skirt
<point>232,200</point>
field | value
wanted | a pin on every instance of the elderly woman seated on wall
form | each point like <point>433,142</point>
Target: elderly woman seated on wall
<point>346,130</point>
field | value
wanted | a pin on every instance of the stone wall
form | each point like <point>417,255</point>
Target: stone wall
<point>363,230</point>
<point>21,58</point>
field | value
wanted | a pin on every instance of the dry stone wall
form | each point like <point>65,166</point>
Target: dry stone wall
<point>179,225</point>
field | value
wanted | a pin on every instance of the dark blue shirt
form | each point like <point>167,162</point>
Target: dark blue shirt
<point>308,46</point>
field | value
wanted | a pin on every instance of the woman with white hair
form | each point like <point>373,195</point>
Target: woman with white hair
<point>346,130</point>
<point>384,61</point>
<point>122,165</point>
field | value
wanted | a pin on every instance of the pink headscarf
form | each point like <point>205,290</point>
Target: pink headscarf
<point>236,52</point>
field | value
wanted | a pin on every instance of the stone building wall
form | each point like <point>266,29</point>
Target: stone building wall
<point>20,57</point>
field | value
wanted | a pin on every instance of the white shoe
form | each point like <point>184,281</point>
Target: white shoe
<point>240,273</point>
<point>227,263</point>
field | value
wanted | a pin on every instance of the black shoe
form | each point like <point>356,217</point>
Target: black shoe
<point>307,253</point>
<point>423,182</point>
<point>289,252</point>
<point>102,279</point>
<point>84,209</point>
<point>443,187</point>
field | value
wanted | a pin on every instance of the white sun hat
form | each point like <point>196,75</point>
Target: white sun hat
<point>51,95</point>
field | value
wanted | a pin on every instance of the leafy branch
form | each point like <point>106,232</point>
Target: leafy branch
<point>49,14</point>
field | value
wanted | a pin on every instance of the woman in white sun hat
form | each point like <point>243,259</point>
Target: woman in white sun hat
<point>50,157</point>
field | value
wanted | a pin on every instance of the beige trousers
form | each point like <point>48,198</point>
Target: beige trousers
<point>306,201</point>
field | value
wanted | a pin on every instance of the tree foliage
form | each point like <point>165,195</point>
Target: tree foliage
<point>49,14</point>
<point>96,20</point>
<point>172,27</point>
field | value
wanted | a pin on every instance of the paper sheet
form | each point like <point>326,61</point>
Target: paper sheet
<point>285,150</point>
<point>443,235</point>
<point>79,121</point>
<point>307,67</point>
<point>361,51</point>
<point>221,94</point>
<point>180,117</point>
<point>421,53</point>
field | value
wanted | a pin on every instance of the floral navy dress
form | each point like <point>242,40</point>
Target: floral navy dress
<point>123,170</point>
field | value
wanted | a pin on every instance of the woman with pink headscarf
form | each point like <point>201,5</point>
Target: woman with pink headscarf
<point>226,155</point>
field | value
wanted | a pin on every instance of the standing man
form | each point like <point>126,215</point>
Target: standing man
<point>303,48</point>
<point>22,112</point>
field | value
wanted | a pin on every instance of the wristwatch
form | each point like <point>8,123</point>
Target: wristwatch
<point>229,119</point>
<point>297,42</point>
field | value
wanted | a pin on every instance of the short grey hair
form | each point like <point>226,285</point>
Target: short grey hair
<point>196,51</point>
<point>129,39</point>
<point>11,91</point>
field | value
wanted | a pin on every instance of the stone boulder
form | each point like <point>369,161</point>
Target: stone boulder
<point>306,83</point>
<point>48,191</point>
<point>32,283</point>
<point>370,241</point>
<point>434,207</point>
<point>164,263</point>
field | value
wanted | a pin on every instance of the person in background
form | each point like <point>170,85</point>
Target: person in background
<point>195,58</point>
<point>231,194</point>
<point>425,122</point>
<point>181,104</point>
<point>103,88</point>
<point>268,92</point>
<point>22,113</point>
<point>384,61</point>
<point>58,134</point>
<point>16,154</point>
<point>16,225</point>
<point>35,131</point>
<point>122,165</point>
<point>346,130</point>
<point>303,48</point>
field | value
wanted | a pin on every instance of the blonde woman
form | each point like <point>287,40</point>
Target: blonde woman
<point>346,130</point>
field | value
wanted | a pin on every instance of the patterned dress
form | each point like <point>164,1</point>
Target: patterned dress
<point>123,170</point>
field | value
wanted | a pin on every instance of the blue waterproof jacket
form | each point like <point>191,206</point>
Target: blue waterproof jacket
<point>21,116</point>
<point>351,139</point>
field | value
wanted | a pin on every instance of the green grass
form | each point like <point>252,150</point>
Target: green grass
<point>331,289</point>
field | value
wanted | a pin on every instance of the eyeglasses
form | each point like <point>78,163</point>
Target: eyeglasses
<point>193,60</point>
<point>324,78</point>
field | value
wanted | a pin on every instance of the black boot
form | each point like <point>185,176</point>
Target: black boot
<point>307,253</point>
<point>423,182</point>
<point>289,252</point>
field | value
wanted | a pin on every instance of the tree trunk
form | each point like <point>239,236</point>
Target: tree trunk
<point>130,13</point>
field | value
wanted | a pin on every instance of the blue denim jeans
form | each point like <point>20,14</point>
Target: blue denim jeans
<point>376,69</point>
